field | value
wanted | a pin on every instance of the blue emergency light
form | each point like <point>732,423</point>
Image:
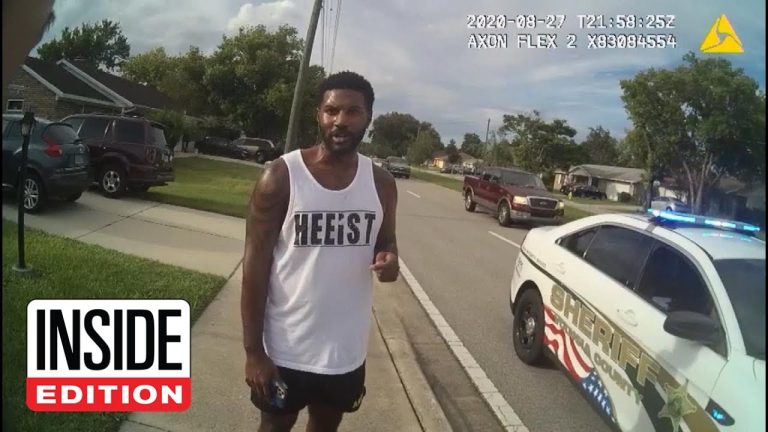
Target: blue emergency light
<point>696,220</point>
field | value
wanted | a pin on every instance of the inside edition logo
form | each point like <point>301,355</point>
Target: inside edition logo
<point>108,355</point>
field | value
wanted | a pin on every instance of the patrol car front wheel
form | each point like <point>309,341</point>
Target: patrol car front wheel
<point>528,327</point>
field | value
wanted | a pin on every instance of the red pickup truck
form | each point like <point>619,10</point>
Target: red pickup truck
<point>513,195</point>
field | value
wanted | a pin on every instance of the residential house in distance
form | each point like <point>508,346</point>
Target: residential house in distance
<point>610,180</point>
<point>441,159</point>
<point>56,90</point>
<point>730,198</point>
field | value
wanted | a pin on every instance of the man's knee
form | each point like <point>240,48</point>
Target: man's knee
<point>277,423</point>
<point>323,418</point>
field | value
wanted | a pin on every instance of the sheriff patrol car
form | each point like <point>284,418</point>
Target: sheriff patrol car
<point>659,319</point>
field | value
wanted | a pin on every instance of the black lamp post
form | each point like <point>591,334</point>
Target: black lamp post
<point>27,124</point>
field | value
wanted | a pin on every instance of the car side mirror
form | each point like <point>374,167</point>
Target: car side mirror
<point>693,326</point>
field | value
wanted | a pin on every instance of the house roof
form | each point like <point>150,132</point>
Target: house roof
<point>65,82</point>
<point>440,154</point>
<point>622,174</point>
<point>466,157</point>
<point>136,93</point>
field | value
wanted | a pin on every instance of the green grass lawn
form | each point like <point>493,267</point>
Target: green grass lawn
<point>438,179</point>
<point>572,213</point>
<point>210,185</point>
<point>590,201</point>
<point>65,268</point>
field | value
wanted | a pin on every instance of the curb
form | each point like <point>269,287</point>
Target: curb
<point>423,401</point>
<point>495,400</point>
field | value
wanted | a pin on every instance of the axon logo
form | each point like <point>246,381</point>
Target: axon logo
<point>108,355</point>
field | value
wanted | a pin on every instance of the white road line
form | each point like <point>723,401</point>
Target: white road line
<point>416,195</point>
<point>502,238</point>
<point>506,415</point>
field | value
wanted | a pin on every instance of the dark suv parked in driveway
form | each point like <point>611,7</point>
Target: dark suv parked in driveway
<point>218,146</point>
<point>126,152</point>
<point>259,149</point>
<point>57,162</point>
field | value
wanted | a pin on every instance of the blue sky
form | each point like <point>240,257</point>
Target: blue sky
<point>416,55</point>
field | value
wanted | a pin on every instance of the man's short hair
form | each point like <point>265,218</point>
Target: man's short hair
<point>348,80</point>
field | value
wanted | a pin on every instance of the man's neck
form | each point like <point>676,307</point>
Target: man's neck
<point>323,156</point>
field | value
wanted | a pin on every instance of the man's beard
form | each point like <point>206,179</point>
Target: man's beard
<point>342,141</point>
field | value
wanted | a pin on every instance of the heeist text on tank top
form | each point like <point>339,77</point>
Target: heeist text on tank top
<point>317,316</point>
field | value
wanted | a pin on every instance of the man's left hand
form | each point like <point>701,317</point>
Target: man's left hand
<point>386,266</point>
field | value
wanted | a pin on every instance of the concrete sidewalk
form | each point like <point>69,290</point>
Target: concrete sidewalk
<point>398,396</point>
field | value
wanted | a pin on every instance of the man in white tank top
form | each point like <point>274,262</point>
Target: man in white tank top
<point>320,222</point>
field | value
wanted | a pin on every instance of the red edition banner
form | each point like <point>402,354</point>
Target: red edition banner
<point>109,394</point>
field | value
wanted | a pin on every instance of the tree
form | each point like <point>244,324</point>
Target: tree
<point>600,146</point>
<point>422,149</point>
<point>453,152</point>
<point>541,146</point>
<point>100,44</point>
<point>180,77</point>
<point>473,145</point>
<point>398,131</point>
<point>394,131</point>
<point>630,152</point>
<point>149,68</point>
<point>251,78</point>
<point>703,119</point>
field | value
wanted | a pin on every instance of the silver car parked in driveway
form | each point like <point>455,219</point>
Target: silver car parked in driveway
<point>671,204</point>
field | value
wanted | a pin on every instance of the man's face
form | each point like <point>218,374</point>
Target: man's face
<point>24,23</point>
<point>343,119</point>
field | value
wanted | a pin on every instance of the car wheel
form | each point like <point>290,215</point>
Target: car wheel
<point>669,209</point>
<point>112,181</point>
<point>528,328</point>
<point>469,203</point>
<point>73,197</point>
<point>34,197</point>
<point>261,158</point>
<point>504,216</point>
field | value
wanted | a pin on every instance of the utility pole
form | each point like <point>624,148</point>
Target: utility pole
<point>487,130</point>
<point>290,140</point>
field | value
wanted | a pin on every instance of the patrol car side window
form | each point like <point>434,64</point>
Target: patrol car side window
<point>578,242</point>
<point>619,253</point>
<point>670,282</point>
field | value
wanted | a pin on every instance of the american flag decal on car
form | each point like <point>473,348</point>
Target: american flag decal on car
<point>576,363</point>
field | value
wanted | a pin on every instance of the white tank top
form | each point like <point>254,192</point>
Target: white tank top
<point>318,309</point>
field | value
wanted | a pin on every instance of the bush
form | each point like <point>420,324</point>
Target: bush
<point>625,197</point>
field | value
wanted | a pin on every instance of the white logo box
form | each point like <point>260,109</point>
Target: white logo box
<point>177,326</point>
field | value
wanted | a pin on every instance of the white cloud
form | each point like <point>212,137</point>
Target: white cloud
<point>271,14</point>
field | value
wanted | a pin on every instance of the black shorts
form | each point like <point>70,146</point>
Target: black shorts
<point>343,392</point>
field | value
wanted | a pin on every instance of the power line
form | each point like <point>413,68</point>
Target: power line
<point>335,32</point>
<point>327,28</point>
<point>322,38</point>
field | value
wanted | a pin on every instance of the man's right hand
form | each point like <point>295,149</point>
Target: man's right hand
<point>259,372</point>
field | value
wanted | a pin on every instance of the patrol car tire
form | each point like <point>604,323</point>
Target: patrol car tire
<point>529,341</point>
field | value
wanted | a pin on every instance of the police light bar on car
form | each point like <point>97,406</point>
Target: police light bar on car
<point>696,220</point>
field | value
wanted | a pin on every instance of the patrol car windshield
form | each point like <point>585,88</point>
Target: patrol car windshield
<point>744,279</point>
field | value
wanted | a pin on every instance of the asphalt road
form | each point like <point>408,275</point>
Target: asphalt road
<point>466,271</point>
